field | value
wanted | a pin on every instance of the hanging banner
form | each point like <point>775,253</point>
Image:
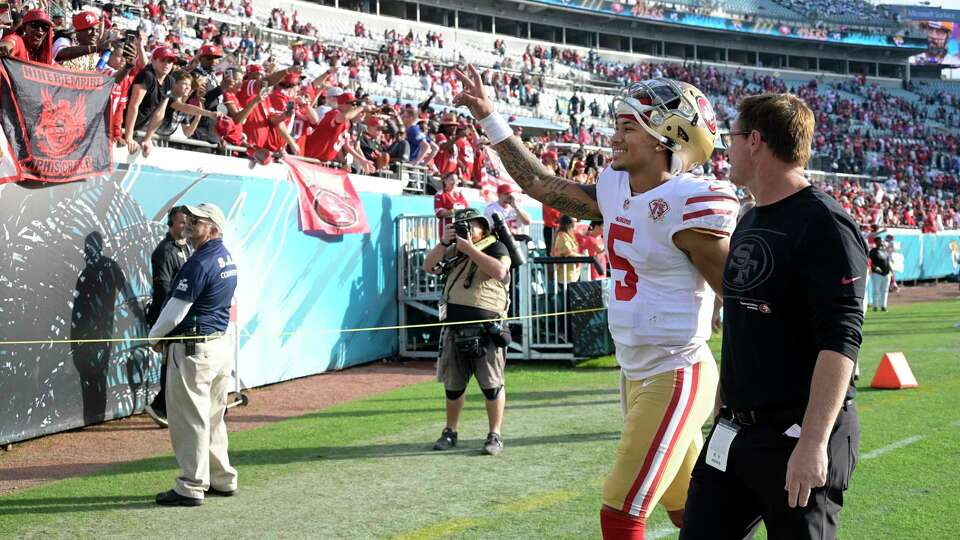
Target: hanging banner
<point>56,120</point>
<point>328,202</point>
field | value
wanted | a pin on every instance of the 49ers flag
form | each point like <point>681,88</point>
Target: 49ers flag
<point>56,120</point>
<point>328,202</point>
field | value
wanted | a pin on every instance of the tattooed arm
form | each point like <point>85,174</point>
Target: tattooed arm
<point>570,198</point>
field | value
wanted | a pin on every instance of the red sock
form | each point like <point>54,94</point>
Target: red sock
<point>619,526</point>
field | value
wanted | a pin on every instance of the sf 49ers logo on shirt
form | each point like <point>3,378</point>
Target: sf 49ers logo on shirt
<point>658,208</point>
<point>706,112</point>
<point>61,125</point>
<point>334,209</point>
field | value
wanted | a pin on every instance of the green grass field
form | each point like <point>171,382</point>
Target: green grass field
<point>364,469</point>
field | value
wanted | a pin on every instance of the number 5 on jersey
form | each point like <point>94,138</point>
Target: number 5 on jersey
<point>625,290</point>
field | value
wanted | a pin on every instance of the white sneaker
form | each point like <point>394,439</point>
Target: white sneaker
<point>159,420</point>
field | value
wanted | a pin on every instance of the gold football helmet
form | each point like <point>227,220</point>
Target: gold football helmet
<point>677,115</point>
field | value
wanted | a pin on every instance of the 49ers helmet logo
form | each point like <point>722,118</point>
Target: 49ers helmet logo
<point>706,112</point>
<point>61,126</point>
<point>333,210</point>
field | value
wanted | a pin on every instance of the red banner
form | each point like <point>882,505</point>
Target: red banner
<point>328,202</point>
<point>56,120</point>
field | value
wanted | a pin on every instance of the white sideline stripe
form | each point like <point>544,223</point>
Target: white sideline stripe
<point>662,532</point>
<point>893,446</point>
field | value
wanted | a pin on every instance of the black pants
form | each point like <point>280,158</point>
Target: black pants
<point>730,505</point>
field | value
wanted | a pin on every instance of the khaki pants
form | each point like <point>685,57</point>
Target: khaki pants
<point>196,402</point>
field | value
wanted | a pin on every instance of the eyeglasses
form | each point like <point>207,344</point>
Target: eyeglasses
<point>37,25</point>
<point>727,138</point>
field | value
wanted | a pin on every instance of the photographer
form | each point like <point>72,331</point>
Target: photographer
<point>476,270</point>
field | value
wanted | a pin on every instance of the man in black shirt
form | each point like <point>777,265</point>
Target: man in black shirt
<point>165,262</point>
<point>786,438</point>
<point>148,96</point>
<point>879,274</point>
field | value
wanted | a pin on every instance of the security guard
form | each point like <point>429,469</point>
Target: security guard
<point>476,266</point>
<point>165,262</point>
<point>198,365</point>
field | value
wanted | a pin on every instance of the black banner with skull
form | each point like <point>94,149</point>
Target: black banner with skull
<point>57,121</point>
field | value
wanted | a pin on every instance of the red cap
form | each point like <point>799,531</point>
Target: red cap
<point>503,189</point>
<point>231,131</point>
<point>85,20</point>
<point>292,78</point>
<point>210,50</point>
<point>253,69</point>
<point>580,165</point>
<point>374,121</point>
<point>161,53</point>
<point>36,15</point>
<point>345,98</point>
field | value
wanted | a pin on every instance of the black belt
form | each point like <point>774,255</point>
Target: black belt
<point>774,416</point>
<point>198,339</point>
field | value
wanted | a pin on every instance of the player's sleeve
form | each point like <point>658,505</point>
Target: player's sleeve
<point>608,184</point>
<point>708,207</point>
<point>833,273</point>
<point>188,282</point>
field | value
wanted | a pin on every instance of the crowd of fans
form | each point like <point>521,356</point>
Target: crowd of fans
<point>217,84</point>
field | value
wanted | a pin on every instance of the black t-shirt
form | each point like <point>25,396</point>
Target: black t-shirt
<point>793,286</point>
<point>156,93</point>
<point>370,147</point>
<point>880,261</point>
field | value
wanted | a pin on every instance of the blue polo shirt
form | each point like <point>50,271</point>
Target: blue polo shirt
<point>414,137</point>
<point>208,280</point>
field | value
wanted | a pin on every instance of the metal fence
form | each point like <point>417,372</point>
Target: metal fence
<point>540,298</point>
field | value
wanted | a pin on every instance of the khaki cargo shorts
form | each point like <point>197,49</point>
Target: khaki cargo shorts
<point>454,372</point>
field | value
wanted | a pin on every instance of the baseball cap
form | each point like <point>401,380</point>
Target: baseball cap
<point>580,165</point>
<point>209,211</point>
<point>161,53</point>
<point>253,69</point>
<point>374,121</point>
<point>333,91</point>
<point>503,189</point>
<point>85,20</point>
<point>292,78</point>
<point>210,50</point>
<point>549,155</point>
<point>345,98</point>
<point>36,15</point>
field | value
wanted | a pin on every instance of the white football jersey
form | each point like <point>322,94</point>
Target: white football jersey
<point>660,306</point>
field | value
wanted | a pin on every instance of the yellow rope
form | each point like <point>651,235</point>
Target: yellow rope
<point>283,334</point>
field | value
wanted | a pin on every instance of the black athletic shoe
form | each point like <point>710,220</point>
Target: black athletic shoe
<point>172,498</point>
<point>447,440</point>
<point>494,444</point>
<point>219,493</point>
<point>158,415</point>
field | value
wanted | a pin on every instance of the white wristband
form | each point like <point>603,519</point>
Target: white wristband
<point>496,128</point>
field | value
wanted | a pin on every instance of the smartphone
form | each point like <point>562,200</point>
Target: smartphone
<point>6,17</point>
<point>130,37</point>
<point>290,106</point>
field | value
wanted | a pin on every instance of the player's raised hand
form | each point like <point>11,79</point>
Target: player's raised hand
<point>473,97</point>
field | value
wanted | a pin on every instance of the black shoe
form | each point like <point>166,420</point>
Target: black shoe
<point>883,309</point>
<point>172,498</point>
<point>158,415</point>
<point>494,444</point>
<point>447,440</point>
<point>218,493</point>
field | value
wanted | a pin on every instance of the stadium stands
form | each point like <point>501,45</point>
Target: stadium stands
<point>902,136</point>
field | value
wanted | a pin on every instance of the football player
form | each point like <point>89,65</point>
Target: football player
<point>667,234</point>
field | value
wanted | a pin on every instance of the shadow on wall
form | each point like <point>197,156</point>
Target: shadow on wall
<point>377,280</point>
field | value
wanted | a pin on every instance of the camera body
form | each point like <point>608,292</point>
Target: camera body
<point>462,228</point>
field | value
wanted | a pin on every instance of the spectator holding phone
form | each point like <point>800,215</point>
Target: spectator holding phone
<point>31,40</point>
<point>330,136</point>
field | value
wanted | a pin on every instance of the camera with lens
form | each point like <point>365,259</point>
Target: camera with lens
<point>462,228</point>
